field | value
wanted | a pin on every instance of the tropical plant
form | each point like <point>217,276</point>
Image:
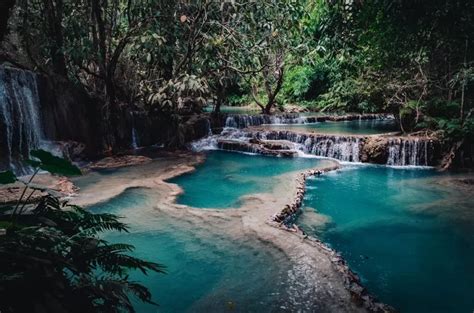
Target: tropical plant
<point>53,258</point>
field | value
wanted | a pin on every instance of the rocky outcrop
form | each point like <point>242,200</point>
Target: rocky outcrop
<point>196,127</point>
<point>375,150</point>
<point>378,149</point>
<point>278,149</point>
<point>344,148</point>
<point>290,210</point>
<point>119,161</point>
<point>285,219</point>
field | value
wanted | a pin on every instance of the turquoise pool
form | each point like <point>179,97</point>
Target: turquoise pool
<point>206,272</point>
<point>227,176</point>
<point>409,236</point>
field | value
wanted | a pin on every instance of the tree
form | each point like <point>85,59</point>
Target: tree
<point>265,40</point>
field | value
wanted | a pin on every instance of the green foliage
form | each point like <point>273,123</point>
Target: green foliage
<point>7,177</point>
<point>298,81</point>
<point>364,56</point>
<point>187,94</point>
<point>239,100</point>
<point>52,254</point>
<point>53,164</point>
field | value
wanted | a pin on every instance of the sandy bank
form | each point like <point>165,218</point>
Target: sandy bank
<point>318,277</point>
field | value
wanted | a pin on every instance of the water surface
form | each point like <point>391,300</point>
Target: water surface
<point>409,237</point>
<point>356,127</point>
<point>227,176</point>
<point>206,272</point>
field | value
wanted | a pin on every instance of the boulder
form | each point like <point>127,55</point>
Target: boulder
<point>375,150</point>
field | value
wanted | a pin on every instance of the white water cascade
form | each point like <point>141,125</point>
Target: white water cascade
<point>410,151</point>
<point>343,148</point>
<point>20,119</point>
<point>393,151</point>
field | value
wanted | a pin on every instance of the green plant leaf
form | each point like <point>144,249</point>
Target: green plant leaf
<point>33,163</point>
<point>7,177</point>
<point>54,164</point>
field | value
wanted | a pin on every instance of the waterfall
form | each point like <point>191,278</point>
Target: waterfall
<point>408,151</point>
<point>20,119</point>
<point>393,151</point>
<point>135,140</point>
<point>209,128</point>
<point>343,148</point>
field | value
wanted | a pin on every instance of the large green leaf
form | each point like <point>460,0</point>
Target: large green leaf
<point>7,177</point>
<point>54,164</point>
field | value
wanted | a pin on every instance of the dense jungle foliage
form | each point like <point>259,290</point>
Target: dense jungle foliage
<point>411,58</point>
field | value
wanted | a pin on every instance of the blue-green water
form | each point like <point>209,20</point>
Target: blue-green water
<point>206,272</point>
<point>358,127</point>
<point>409,237</point>
<point>226,176</point>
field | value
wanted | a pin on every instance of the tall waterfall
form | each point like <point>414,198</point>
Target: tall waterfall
<point>409,151</point>
<point>20,119</point>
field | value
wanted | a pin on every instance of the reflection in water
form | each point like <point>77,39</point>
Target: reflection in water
<point>225,177</point>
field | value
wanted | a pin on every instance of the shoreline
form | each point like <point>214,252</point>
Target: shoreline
<point>255,218</point>
<point>284,221</point>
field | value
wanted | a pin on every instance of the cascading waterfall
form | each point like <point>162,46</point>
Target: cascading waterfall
<point>20,119</point>
<point>346,148</point>
<point>343,148</point>
<point>409,151</point>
